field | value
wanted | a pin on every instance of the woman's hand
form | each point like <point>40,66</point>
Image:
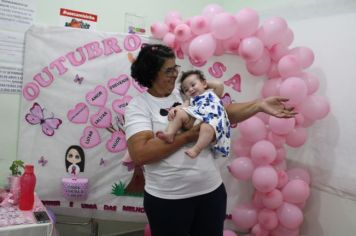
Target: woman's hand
<point>275,106</point>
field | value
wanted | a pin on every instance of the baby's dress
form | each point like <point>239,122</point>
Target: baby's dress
<point>209,108</point>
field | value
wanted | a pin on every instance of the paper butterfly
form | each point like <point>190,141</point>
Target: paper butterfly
<point>78,79</point>
<point>36,116</point>
<point>42,161</point>
<point>102,162</point>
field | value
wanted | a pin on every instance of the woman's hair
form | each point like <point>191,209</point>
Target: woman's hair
<point>81,154</point>
<point>148,62</point>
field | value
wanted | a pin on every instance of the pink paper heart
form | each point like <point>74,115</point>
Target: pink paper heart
<point>138,87</point>
<point>79,114</point>
<point>102,119</point>
<point>116,143</point>
<point>97,97</point>
<point>119,85</point>
<point>90,137</point>
<point>119,105</point>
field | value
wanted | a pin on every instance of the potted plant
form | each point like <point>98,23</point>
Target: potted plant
<point>16,168</point>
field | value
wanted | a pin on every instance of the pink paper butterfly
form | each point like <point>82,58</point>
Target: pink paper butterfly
<point>36,116</point>
<point>78,79</point>
<point>42,161</point>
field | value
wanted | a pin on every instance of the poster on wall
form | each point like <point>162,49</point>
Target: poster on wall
<point>77,19</point>
<point>76,86</point>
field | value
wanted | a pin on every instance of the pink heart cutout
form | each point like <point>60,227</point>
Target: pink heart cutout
<point>119,85</point>
<point>79,114</point>
<point>102,119</point>
<point>116,143</point>
<point>119,105</point>
<point>90,137</point>
<point>97,97</point>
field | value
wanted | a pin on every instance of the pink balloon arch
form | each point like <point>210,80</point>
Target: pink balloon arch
<point>280,193</point>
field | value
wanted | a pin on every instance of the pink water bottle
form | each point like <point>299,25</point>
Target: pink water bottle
<point>27,192</point>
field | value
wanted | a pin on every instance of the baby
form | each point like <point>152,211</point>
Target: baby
<point>205,105</point>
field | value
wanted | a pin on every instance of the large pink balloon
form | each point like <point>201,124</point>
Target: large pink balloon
<point>247,22</point>
<point>274,29</point>
<point>241,168</point>
<point>260,66</point>
<point>223,26</point>
<point>272,200</point>
<point>267,219</point>
<point>251,48</point>
<point>265,178</point>
<point>253,129</point>
<point>315,107</point>
<point>199,25</point>
<point>297,137</point>
<point>202,47</point>
<point>159,30</point>
<point>290,216</point>
<point>271,87</point>
<point>299,173</point>
<point>182,32</point>
<point>304,55</point>
<point>296,191</point>
<point>244,216</point>
<point>229,233</point>
<point>289,66</point>
<point>263,152</point>
<point>294,89</point>
<point>281,126</point>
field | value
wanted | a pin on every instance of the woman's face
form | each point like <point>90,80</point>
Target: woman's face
<point>73,156</point>
<point>164,83</point>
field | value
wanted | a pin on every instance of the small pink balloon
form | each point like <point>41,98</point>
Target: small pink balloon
<point>315,107</point>
<point>231,44</point>
<point>241,147</point>
<point>202,47</point>
<point>294,89</point>
<point>289,66</point>
<point>170,40</point>
<point>258,230</point>
<point>295,191</point>
<point>244,216</point>
<point>263,152</point>
<point>274,29</point>
<point>297,137</point>
<point>304,55</point>
<point>264,178</point>
<point>271,87</point>
<point>299,173</point>
<point>247,22</point>
<point>281,156</point>
<point>257,200</point>
<point>273,71</point>
<point>251,48</point>
<point>281,126</point>
<point>287,38</point>
<point>277,140</point>
<point>159,30</point>
<point>147,231</point>
<point>229,233</point>
<point>182,32</point>
<point>199,25</point>
<point>223,26</point>
<point>253,129</point>
<point>290,216</point>
<point>268,219</point>
<point>272,200</point>
<point>311,81</point>
<point>278,51</point>
<point>241,168</point>
<point>282,178</point>
<point>260,66</point>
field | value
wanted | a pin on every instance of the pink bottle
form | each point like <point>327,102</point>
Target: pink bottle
<point>27,193</point>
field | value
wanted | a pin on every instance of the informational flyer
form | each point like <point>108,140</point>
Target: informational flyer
<point>77,19</point>
<point>16,16</point>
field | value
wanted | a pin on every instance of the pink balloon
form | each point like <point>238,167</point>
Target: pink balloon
<point>170,40</point>
<point>219,50</point>
<point>231,44</point>
<point>290,216</point>
<point>277,140</point>
<point>258,230</point>
<point>229,233</point>
<point>159,30</point>
<point>311,81</point>
<point>251,48</point>
<point>273,71</point>
<point>271,87</point>
<point>296,191</point>
<point>260,66</point>
<point>281,126</point>
<point>278,51</point>
<point>297,137</point>
<point>272,200</point>
<point>274,29</point>
<point>304,55</point>
<point>299,173</point>
<point>289,66</point>
<point>263,152</point>
<point>287,38</point>
<point>202,47</point>
<point>282,179</point>
<point>172,15</point>
<point>265,178</point>
<point>199,25</point>
<point>268,219</point>
<point>299,119</point>
<point>247,22</point>
<point>244,216</point>
<point>257,199</point>
<point>241,147</point>
<point>294,89</point>
<point>147,231</point>
<point>253,129</point>
<point>211,10</point>
<point>280,166</point>
<point>281,155</point>
<point>182,32</point>
<point>241,168</point>
<point>223,25</point>
<point>315,107</point>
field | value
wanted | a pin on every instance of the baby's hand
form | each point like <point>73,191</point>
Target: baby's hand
<point>172,113</point>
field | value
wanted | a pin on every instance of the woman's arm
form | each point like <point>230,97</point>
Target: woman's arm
<point>274,106</point>
<point>145,148</point>
<point>216,86</point>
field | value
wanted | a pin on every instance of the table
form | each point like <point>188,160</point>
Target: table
<point>30,228</point>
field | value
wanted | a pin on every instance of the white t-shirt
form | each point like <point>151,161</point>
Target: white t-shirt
<point>177,176</point>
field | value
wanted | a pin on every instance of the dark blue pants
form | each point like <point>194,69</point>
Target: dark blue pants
<point>202,215</point>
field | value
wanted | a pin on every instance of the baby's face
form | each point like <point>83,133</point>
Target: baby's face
<point>193,86</point>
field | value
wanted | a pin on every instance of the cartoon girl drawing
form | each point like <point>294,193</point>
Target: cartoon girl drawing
<point>75,160</point>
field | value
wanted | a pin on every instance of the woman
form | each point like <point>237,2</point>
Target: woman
<point>183,196</point>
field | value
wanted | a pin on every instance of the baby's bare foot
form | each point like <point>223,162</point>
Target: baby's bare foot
<point>192,153</point>
<point>168,138</point>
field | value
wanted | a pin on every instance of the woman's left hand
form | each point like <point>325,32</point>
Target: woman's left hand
<point>275,106</point>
